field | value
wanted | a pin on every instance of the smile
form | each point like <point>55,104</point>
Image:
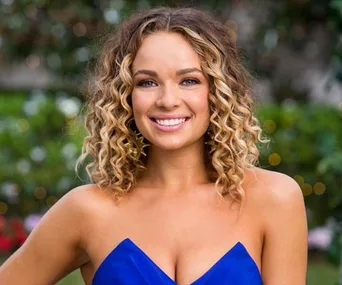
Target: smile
<point>171,122</point>
<point>170,125</point>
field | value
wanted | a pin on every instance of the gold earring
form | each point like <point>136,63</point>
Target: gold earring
<point>139,138</point>
<point>134,151</point>
<point>210,141</point>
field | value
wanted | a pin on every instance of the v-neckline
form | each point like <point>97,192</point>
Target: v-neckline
<point>195,282</point>
<point>197,279</point>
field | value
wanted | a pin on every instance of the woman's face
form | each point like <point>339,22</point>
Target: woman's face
<point>170,92</point>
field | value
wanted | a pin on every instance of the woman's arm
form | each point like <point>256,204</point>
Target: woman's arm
<point>53,249</point>
<point>284,259</point>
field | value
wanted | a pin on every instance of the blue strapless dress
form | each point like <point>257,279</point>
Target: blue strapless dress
<point>127,264</point>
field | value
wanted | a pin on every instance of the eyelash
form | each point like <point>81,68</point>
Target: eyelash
<point>143,82</point>
<point>196,81</point>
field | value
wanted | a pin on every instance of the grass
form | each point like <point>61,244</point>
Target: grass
<point>319,273</point>
<point>73,278</point>
<point>322,273</point>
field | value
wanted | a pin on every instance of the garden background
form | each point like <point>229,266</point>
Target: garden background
<point>293,48</point>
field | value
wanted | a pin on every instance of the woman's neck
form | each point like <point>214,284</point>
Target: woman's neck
<point>175,170</point>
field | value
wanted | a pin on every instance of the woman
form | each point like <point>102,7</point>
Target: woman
<point>176,198</point>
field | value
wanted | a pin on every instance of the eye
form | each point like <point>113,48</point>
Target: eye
<point>146,83</point>
<point>190,81</point>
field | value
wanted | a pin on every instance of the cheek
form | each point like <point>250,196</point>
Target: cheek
<point>139,104</point>
<point>200,103</point>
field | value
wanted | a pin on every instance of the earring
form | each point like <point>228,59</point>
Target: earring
<point>136,152</point>
<point>210,141</point>
<point>139,138</point>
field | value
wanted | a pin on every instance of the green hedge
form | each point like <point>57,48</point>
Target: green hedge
<point>40,140</point>
<point>306,143</point>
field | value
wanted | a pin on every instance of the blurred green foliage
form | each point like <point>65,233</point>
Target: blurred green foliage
<point>334,250</point>
<point>306,143</point>
<point>62,36</point>
<point>40,141</point>
<point>292,24</point>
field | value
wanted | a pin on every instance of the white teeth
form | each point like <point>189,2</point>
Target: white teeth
<point>171,122</point>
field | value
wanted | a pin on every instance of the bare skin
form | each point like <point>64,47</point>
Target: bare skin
<point>184,233</point>
<point>173,214</point>
<point>193,229</point>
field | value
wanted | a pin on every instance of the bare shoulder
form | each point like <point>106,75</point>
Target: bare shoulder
<point>74,204</point>
<point>272,189</point>
<point>88,204</point>
<point>89,201</point>
<point>281,209</point>
<point>59,233</point>
<point>84,197</point>
<point>84,191</point>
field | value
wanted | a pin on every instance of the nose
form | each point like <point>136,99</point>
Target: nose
<point>169,97</point>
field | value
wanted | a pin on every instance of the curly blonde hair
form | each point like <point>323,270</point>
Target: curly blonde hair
<point>116,152</point>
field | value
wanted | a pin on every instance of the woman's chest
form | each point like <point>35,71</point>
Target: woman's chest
<point>178,241</point>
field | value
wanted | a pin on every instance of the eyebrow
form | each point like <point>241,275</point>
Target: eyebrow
<point>188,70</point>
<point>179,72</point>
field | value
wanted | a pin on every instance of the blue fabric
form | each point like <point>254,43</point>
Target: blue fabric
<point>127,264</point>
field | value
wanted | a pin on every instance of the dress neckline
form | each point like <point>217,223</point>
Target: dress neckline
<point>127,241</point>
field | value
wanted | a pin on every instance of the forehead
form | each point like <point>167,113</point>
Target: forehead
<point>166,50</point>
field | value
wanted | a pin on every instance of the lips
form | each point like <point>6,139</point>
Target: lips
<point>170,123</point>
<point>169,117</point>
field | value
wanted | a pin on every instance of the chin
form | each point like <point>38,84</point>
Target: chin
<point>168,146</point>
<point>172,145</point>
